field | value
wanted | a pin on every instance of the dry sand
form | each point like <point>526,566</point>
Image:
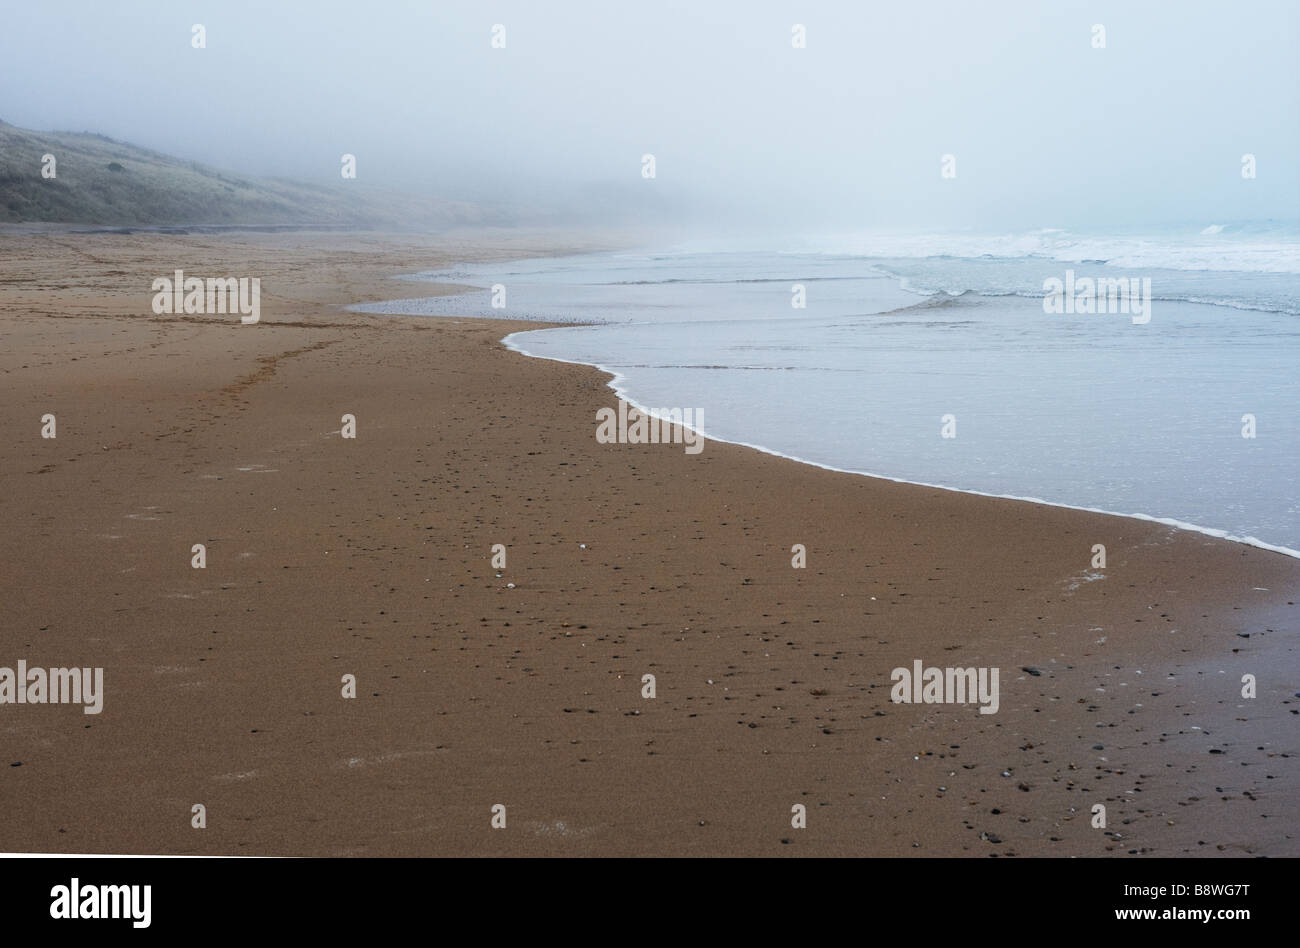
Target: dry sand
<point>371,557</point>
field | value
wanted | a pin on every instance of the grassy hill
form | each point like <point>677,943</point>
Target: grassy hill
<point>106,182</point>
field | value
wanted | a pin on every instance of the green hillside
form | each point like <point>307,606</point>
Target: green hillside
<point>106,182</point>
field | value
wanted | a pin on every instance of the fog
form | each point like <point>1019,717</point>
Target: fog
<point>745,129</point>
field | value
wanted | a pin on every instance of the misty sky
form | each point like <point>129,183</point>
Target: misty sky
<point>847,133</point>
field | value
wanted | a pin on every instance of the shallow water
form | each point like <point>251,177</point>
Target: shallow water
<point>1087,410</point>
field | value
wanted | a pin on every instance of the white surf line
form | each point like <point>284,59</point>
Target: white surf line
<point>620,389</point>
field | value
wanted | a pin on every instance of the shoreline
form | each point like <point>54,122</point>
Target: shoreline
<point>619,384</point>
<point>373,558</point>
<point>621,391</point>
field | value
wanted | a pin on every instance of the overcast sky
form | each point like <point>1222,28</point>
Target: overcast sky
<point>1046,130</point>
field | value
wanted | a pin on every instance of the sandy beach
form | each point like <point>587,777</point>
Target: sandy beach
<point>372,557</point>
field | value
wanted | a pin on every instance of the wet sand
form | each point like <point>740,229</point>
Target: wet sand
<point>371,557</point>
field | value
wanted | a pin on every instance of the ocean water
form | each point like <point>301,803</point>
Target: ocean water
<point>1082,410</point>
